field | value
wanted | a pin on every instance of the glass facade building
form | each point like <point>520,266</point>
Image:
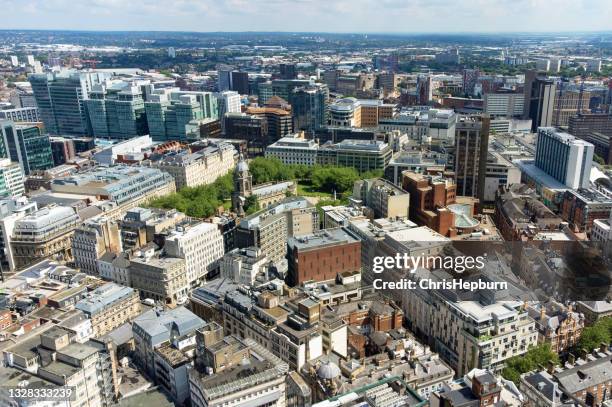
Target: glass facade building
<point>27,146</point>
<point>309,107</point>
<point>61,99</point>
<point>116,110</point>
<point>169,111</point>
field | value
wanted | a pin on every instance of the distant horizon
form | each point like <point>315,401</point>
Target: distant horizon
<point>311,16</point>
<point>608,31</point>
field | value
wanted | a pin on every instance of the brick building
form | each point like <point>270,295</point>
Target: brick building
<point>429,197</point>
<point>581,207</point>
<point>321,256</point>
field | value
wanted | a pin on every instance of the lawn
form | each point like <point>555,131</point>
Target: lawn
<point>304,188</point>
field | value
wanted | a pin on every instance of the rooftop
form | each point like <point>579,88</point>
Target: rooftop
<point>324,238</point>
<point>102,297</point>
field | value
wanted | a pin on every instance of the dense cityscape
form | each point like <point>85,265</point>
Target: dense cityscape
<point>305,219</point>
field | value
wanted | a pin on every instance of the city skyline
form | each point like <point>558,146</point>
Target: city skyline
<point>413,16</point>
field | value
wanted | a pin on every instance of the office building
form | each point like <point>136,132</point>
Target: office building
<point>253,129</point>
<point>430,197</point>
<point>278,87</point>
<point>44,234</point>
<point>542,65</point>
<point>228,102</point>
<point>169,112</point>
<point>322,256</point>
<point>20,114</point>
<point>564,157</point>
<point>134,147</point>
<point>24,144</point>
<point>10,211</point>
<point>62,150</point>
<point>294,149</point>
<point>471,148</point>
<point>345,113</point>
<point>60,98</point>
<point>287,71</point>
<point>584,124</point>
<point>245,266</point>
<point>200,245</point>
<point>478,387</point>
<point>161,279</point>
<point>309,107</point>
<point>115,267</point>
<point>504,103</point>
<point>116,109</point>
<point>582,206</point>
<point>11,179</point>
<point>470,77</point>
<point>91,240</point>
<point>569,103</point>
<point>384,198</point>
<point>424,90</point>
<point>22,96</point>
<point>109,306</point>
<point>88,368</point>
<point>198,168</point>
<point>450,56</point>
<point>125,186</point>
<point>361,155</point>
<point>500,171</point>
<point>140,226</point>
<point>233,81</point>
<point>388,81</point>
<point>540,94</point>
<point>601,231</point>
<point>264,385</point>
<point>270,228</point>
<point>240,82</point>
<point>279,121</point>
<point>158,326</point>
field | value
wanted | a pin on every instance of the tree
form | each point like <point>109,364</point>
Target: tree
<point>593,336</point>
<point>330,179</point>
<point>251,204</point>
<point>198,202</point>
<point>536,356</point>
<point>268,169</point>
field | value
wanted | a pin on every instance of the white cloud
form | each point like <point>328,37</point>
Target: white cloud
<point>310,15</point>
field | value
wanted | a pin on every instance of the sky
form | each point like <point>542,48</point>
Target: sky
<point>398,16</point>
